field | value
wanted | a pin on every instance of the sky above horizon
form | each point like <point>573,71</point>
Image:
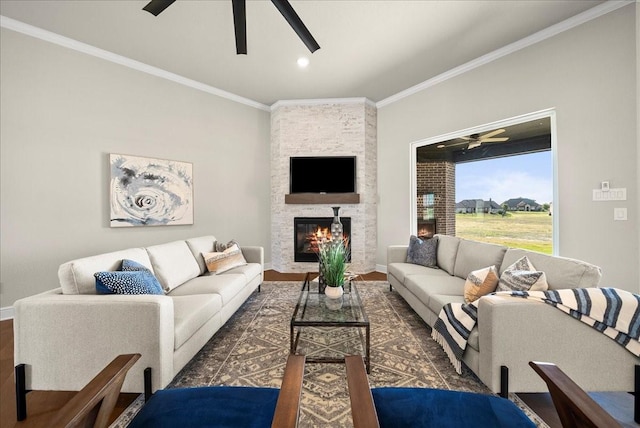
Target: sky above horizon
<point>523,176</point>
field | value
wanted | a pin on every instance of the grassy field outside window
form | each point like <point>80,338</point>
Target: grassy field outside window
<point>519,229</point>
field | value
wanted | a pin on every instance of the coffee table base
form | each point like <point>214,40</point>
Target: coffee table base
<point>366,345</point>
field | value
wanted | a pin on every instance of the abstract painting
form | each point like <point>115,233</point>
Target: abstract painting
<point>150,192</point>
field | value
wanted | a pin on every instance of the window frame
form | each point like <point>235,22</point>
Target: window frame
<point>547,113</point>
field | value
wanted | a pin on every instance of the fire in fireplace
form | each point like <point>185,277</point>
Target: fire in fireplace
<point>308,231</point>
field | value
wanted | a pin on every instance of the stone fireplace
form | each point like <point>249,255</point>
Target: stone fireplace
<point>324,128</point>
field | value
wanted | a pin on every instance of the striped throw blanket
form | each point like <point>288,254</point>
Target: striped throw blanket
<point>612,311</point>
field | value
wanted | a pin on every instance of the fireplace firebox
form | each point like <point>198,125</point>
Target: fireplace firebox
<point>308,230</point>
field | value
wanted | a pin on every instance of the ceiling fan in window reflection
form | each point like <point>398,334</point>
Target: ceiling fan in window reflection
<point>476,140</point>
<point>155,7</point>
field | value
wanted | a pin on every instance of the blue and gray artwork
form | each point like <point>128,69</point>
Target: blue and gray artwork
<point>150,192</point>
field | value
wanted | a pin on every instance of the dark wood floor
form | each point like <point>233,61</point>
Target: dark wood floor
<point>620,405</point>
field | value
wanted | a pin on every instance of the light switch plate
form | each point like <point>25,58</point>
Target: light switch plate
<point>610,195</point>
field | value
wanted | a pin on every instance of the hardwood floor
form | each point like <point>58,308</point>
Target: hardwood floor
<point>620,405</point>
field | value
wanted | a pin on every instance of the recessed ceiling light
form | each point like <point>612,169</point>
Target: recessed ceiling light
<point>440,146</point>
<point>303,62</point>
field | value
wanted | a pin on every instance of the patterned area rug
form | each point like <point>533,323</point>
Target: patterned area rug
<point>252,347</point>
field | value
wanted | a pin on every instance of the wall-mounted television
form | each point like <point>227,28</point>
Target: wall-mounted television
<point>322,174</point>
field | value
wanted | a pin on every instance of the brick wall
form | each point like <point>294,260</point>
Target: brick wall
<point>438,178</point>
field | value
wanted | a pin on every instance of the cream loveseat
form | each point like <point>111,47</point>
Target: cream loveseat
<point>67,335</point>
<point>513,331</point>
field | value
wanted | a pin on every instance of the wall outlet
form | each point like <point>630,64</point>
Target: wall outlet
<point>619,213</point>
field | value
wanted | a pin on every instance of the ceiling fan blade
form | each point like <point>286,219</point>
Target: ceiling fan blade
<point>491,134</point>
<point>494,140</point>
<point>473,145</point>
<point>155,7</point>
<point>240,25</point>
<point>296,23</point>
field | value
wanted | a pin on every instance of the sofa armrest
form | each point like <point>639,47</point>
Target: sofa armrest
<point>64,340</point>
<point>514,331</point>
<point>253,254</point>
<point>397,254</point>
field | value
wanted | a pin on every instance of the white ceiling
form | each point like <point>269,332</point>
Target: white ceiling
<point>372,49</point>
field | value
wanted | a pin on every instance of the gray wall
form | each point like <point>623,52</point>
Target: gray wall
<point>588,74</point>
<point>63,112</point>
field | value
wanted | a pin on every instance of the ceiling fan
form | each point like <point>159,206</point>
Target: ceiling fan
<point>155,7</point>
<point>476,140</point>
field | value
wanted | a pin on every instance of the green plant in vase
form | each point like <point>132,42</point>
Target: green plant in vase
<point>333,257</point>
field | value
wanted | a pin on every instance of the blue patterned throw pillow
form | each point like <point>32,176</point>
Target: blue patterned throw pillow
<point>133,266</point>
<point>136,282</point>
<point>422,251</point>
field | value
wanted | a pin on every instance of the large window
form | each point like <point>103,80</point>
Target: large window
<point>511,201</point>
<point>493,183</point>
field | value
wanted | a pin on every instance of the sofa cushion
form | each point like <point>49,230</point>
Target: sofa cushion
<point>473,255</point>
<point>401,270</point>
<point>249,270</point>
<point>422,251</point>
<point>136,282</point>
<point>447,250</point>
<point>76,276</point>
<point>522,276</point>
<point>226,285</point>
<point>173,264</point>
<point>479,283</point>
<point>221,261</point>
<point>474,339</point>
<point>437,301</point>
<point>192,312</point>
<point>202,244</point>
<point>561,272</point>
<point>425,286</point>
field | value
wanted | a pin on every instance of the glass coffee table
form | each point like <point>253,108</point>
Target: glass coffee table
<point>316,310</point>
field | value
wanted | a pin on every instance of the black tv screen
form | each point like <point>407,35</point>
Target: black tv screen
<point>329,174</point>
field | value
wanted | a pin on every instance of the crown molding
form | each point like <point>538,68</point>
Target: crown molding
<point>586,16</point>
<point>48,36</point>
<point>567,24</point>
<point>321,101</point>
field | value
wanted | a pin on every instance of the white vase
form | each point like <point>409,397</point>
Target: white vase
<point>333,292</point>
<point>333,304</point>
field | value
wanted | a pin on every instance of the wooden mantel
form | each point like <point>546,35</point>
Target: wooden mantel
<point>322,198</point>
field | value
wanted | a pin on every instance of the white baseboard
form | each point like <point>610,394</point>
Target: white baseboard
<point>381,268</point>
<point>6,313</point>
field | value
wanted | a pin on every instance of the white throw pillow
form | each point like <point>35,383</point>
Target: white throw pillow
<point>218,262</point>
<point>522,276</point>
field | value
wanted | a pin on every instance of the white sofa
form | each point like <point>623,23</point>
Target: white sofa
<point>513,331</point>
<point>66,335</point>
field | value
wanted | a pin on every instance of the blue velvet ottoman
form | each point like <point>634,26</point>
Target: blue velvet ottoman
<point>425,407</point>
<point>220,407</point>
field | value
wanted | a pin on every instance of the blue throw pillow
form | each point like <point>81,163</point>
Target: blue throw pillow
<point>133,266</point>
<point>137,282</point>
